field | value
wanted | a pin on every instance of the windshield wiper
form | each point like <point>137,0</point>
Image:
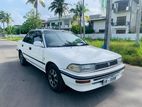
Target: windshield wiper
<point>70,45</point>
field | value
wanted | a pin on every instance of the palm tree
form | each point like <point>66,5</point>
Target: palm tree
<point>59,7</point>
<point>35,4</point>
<point>78,13</point>
<point>2,18</point>
<point>8,19</point>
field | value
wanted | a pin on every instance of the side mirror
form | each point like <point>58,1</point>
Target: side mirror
<point>38,44</point>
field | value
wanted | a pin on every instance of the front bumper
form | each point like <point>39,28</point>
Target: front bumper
<point>96,81</point>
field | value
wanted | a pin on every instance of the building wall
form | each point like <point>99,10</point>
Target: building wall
<point>99,25</point>
<point>114,36</point>
<point>54,23</point>
<point>130,17</point>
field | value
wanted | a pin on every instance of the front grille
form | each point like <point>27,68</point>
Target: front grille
<point>105,64</point>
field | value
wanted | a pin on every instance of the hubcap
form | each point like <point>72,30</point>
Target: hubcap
<point>53,78</point>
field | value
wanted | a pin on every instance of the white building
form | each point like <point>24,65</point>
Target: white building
<point>98,23</point>
<point>124,14</point>
<point>65,22</point>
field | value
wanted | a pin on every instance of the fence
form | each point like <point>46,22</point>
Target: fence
<point>101,36</point>
<point>114,36</point>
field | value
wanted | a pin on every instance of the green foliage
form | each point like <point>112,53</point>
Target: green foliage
<point>75,29</point>
<point>78,12</point>
<point>89,30</point>
<point>10,30</point>
<point>34,2</point>
<point>59,7</point>
<point>131,53</point>
<point>5,18</point>
<point>32,22</point>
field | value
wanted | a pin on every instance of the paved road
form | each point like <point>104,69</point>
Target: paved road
<point>27,87</point>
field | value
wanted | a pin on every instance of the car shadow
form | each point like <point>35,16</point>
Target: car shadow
<point>28,87</point>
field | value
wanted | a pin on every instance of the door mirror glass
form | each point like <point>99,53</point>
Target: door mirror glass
<point>38,44</point>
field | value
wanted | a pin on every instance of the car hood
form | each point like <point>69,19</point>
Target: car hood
<point>85,54</point>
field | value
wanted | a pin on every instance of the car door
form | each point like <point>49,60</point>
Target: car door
<point>37,52</point>
<point>27,45</point>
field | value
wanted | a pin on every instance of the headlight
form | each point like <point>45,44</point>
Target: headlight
<point>81,68</point>
<point>74,67</point>
<point>119,60</point>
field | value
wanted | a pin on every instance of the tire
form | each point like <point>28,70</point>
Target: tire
<point>55,80</point>
<point>22,60</point>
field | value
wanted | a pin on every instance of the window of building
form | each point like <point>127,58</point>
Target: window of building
<point>102,31</point>
<point>121,20</point>
<point>122,5</point>
<point>120,31</point>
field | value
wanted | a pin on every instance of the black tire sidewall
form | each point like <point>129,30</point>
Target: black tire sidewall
<point>22,59</point>
<point>60,86</point>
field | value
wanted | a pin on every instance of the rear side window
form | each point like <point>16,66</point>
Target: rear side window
<point>38,36</point>
<point>29,38</point>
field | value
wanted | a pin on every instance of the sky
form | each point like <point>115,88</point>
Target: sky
<point>18,8</point>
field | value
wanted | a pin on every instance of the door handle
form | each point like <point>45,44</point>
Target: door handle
<point>30,48</point>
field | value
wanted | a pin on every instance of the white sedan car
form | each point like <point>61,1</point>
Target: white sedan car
<point>69,61</point>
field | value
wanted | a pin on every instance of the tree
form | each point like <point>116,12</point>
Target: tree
<point>5,18</point>
<point>35,4</point>
<point>8,19</point>
<point>2,18</point>
<point>32,22</point>
<point>78,13</point>
<point>59,7</point>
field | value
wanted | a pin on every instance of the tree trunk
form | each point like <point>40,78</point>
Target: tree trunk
<point>3,29</point>
<point>36,8</point>
<point>83,19</point>
<point>80,24</point>
<point>59,22</point>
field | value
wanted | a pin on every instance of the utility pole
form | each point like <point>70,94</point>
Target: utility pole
<point>138,22</point>
<point>83,18</point>
<point>108,25</point>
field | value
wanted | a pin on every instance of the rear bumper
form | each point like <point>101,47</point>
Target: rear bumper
<point>94,81</point>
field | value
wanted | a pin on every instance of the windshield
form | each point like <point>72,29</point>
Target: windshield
<point>62,39</point>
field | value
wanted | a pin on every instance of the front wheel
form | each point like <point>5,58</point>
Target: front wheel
<point>22,59</point>
<point>54,79</point>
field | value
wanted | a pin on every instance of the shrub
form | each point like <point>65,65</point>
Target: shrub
<point>75,29</point>
<point>89,30</point>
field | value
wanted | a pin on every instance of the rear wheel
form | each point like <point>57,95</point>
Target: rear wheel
<point>54,79</point>
<point>22,59</point>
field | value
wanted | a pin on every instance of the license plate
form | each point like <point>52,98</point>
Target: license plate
<point>108,80</point>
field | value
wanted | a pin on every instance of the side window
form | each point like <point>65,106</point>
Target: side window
<point>29,38</point>
<point>38,36</point>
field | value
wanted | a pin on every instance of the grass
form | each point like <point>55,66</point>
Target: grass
<point>12,38</point>
<point>131,53</point>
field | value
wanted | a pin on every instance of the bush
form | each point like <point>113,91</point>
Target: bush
<point>76,29</point>
<point>89,30</point>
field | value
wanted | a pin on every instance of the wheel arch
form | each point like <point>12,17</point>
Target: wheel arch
<point>48,64</point>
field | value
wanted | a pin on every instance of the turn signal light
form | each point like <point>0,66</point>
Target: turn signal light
<point>82,81</point>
